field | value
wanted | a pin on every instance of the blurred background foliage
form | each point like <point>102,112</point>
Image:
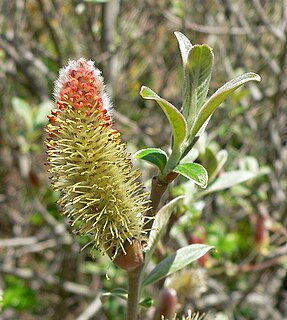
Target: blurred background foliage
<point>43,274</point>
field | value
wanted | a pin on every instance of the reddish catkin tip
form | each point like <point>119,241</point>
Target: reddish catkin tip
<point>166,306</point>
<point>80,87</point>
<point>261,235</point>
<point>260,230</point>
<point>52,118</point>
<point>199,239</point>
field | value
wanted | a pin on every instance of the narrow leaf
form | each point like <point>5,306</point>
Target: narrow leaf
<point>117,293</point>
<point>175,118</point>
<point>146,303</point>
<point>218,97</point>
<point>22,108</point>
<point>158,227</point>
<point>202,129</point>
<point>193,171</point>
<point>177,261</point>
<point>228,180</point>
<point>190,157</point>
<point>154,156</point>
<point>189,147</point>
<point>184,46</point>
<point>221,157</point>
<point>197,74</point>
<point>44,109</point>
<point>209,161</point>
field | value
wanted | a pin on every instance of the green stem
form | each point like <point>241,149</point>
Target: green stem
<point>172,161</point>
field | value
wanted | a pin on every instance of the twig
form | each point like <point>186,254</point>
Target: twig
<point>92,310</point>
<point>262,265</point>
<point>252,37</point>
<point>53,35</point>
<point>38,247</point>
<point>16,242</point>
<point>249,290</point>
<point>59,228</point>
<point>212,29</point>
<point>14,54</point>
<point>265,19</point>
<point>68,286</point>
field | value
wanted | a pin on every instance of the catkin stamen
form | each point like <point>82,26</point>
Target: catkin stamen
<point>89,164</point>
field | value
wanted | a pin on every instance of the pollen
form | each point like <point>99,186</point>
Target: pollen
<point>89,165</point>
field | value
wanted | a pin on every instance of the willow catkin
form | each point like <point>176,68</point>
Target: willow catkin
<point>89,164</point>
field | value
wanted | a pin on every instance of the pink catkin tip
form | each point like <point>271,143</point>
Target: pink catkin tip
<point>80,86</point>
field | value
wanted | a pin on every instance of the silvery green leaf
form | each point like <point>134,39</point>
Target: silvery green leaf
<point>175,118</point>
<point>197,74</point>
<point>218,97</point>
<point>177,261</point>
<point>159,224</point>
<point>184,46</point>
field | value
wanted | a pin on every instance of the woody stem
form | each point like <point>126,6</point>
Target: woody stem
<point>135,276</point>
<point>134,279</point>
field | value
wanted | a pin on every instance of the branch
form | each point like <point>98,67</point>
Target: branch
<point>29,274</point>
<point>92,310</point>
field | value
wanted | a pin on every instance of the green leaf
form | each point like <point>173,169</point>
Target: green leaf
<point>251,164</point>
<point>190,157</point>
<point>44,109</point>
<point>221,157</point>
<point>197,74</point>
<point>146,303</point>
<point>184,46</point>
<point>175,118</point>
<point>177,261</point>
<point>228,180</point>
<point>218,97</point>
<point>117,293</point>
<point>23,109</point>
<point>159,224</point>
<point>154,156</point>
<point>209,161</point>
<point>189,147</point>
<point>123,294</point>
<point>193,171</point>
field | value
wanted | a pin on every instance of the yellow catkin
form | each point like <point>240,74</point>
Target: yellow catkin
<point>89,164</point>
